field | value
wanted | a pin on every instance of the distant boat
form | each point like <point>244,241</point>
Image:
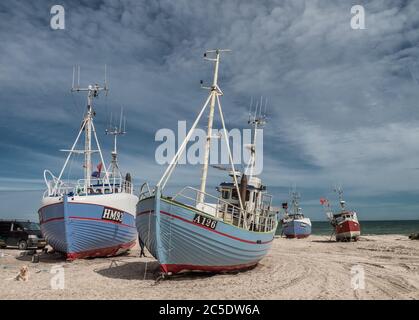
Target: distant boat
<point>94,216</point>
<point>232,231</point>
<point>345,223</point>
<point>294,224</point>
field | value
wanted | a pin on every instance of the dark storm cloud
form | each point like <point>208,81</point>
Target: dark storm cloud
<point>342,103</point>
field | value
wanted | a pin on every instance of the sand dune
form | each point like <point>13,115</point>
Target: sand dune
<point>312,268</point>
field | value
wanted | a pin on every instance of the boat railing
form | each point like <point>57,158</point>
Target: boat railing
<point>57,187</point>
<point>145,191</point>
<point>262,219</point>
<point>191,195</point>
<point>104,186</point>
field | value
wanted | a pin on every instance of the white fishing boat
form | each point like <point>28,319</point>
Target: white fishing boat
<point>193,230</point>
<point>294,223</point>
<point>95,215</point>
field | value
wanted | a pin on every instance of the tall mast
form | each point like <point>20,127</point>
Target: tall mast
<point>214,92</point>
<point>295,202</point>
<point>88,137</point>
<point>212,99</point>
<point>116,131</point>
<point>92,92</point>
<point>339,191</point>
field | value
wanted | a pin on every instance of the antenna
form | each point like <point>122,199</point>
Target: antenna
<point>106,87</point>
<point>95,88</point>
<point>259,118</point>
<point>88,127</point>
<point>339,191</point>
<point>116,131</point>
<point>216,59</point>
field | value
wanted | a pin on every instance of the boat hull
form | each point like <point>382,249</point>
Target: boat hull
<point>296,229</point>
<point>179,244</point>
<point>348,230</point>
<point>92,226</point>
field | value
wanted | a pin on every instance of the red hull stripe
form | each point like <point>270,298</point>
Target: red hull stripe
<point>84,218</point>
<point>206,228</point>
<point>175,268</point>
<point>52,219</point>
<point>103,252</point>
<point>102,220</point>
<point>144,212</point>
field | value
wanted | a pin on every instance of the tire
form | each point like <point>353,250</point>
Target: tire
<point>22,245</point>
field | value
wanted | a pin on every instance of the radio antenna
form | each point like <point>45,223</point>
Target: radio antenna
<point>257,121</point>
<point>116,131</point>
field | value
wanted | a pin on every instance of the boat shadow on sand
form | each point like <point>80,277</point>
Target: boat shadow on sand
<point>150,270</point>
<point>136,270</point>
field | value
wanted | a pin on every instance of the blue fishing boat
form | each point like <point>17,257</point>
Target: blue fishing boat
<point>294,224</point>
<point>196,231</point>
<point>94,216</point>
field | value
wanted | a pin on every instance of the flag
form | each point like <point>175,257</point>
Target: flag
<point>323,201</point>
<point>96,174</point>
<point>99,167</point>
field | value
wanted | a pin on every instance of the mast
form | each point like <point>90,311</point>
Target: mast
<point>115,132</point>
<point>214,92</point>
<point>88,126</point>
<point>339,191</point>
<point>256,121</point>
<point>213,98</point>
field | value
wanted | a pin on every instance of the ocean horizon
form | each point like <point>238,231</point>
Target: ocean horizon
<point>369,227</point>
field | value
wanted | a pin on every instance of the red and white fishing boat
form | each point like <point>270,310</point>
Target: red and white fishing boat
<point>345,223</point>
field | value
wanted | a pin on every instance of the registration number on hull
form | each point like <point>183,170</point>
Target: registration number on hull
<point>112,215</point>
<point>205,221</point>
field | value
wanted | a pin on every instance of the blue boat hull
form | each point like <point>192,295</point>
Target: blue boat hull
<point>296,229</point>
<point>169,232</point>
<point>79,230</point>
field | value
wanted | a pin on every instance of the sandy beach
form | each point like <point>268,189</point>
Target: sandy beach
<point>312,268</point>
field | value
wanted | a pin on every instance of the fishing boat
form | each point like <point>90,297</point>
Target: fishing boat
<point>294,224</point>
<point>93,216</point>
<point>196,231</point>
<point>345,222</point>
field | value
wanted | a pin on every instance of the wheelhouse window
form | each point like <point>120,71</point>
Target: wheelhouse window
<point>234,195</point>
<point>225,194</point>
<point>255,196</point>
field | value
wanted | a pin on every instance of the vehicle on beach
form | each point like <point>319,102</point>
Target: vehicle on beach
<point>196,231</point>
<point>93,216</point>
<point>294,223</point>
<point>2,243</point>
<point>21,234</point>
<point>345,222</point>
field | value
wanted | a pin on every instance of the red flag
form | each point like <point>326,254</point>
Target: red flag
<point>323,201</point>
<point>99,167</point>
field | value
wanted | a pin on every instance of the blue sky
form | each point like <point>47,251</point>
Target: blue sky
<point>343,105</point>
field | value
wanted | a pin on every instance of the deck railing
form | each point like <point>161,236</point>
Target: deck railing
<point>97,186</point>
<point>261,219</point>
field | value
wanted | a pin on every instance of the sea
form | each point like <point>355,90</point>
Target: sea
<point>403,227</point>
